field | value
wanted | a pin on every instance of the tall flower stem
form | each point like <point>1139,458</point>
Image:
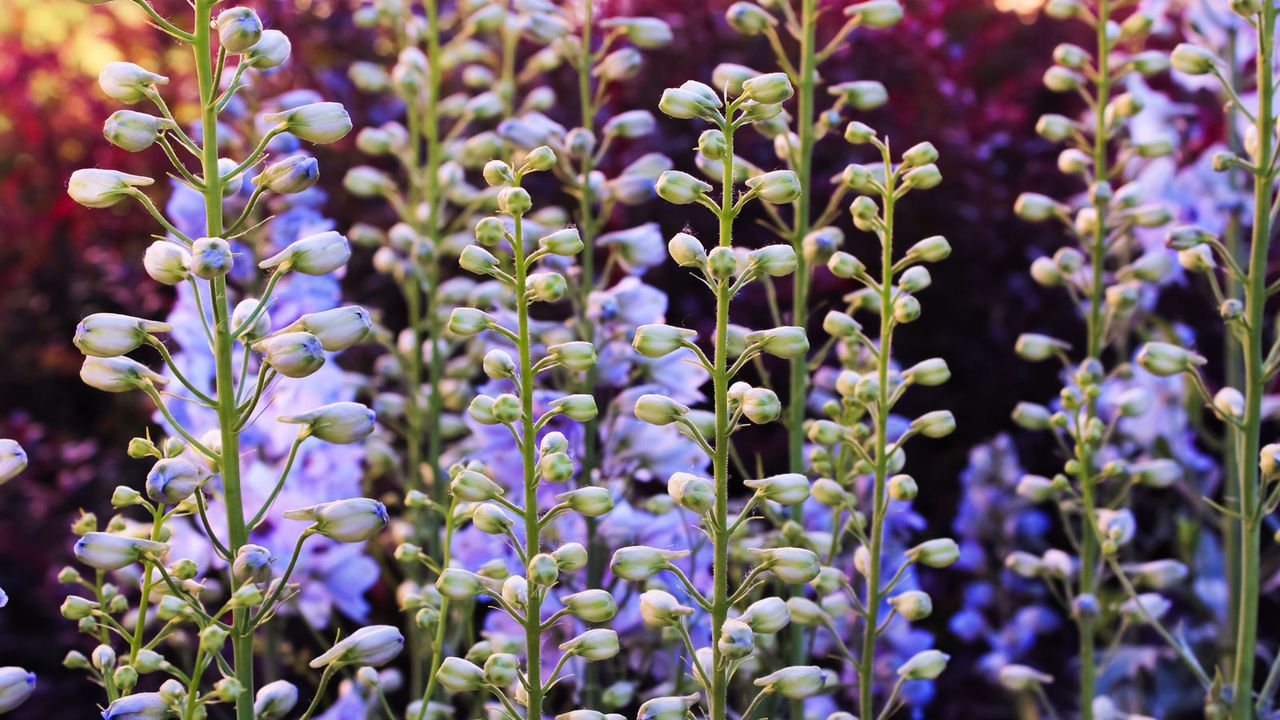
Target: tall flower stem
<point>1250,520</point>
<point>229,464</point>
<point>799,371</point>
<point>1089,549</point>
<point>720,458</point>
<point>871,618</point>
<point>528,450</point>
<point>435,231</point>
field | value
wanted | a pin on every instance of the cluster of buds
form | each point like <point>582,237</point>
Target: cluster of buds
<point>509,254</point>
<point>196,473</point>
<point>737,615</point>
<point>860,437</point>
<point>1113,281</point>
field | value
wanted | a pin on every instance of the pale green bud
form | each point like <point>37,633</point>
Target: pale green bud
<point>680,188</point>
<point>96,188</point>
<point>588,501</point>
<point>913,605</point>
<point>239,29</point>
<point>785,489</point>
<point>292,354</point>
<point>692,492</point>
<point>350,520</point>
<point>271,50</point>
<point>1192,59</point>
<point>926,665</point>
<point>458,584</point>
<point>938,553</point>
<point>320,123</point>
<point>796,682</point>
<point>318,254</point>
<point>638,563</point>
<point>876,14</point>
<point>1165,359</point>
<point>457,675</point>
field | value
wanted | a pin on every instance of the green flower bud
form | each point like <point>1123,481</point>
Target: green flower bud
<point>239,29</point>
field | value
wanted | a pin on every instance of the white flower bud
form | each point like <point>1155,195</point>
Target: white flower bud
<point>127,82</point>
<point>118,374</point>
<point>458,584</point>
<point>172,480</point>
<point>1034,207</point>
<point>761,405</point>
<point>793,566</point>
<point>211,257</point>
<point>111,551</point>
<point>374,645</point>
<point>659,608</point>
<point>644,32</point>
<point>318,254</point>
<point>252,564</point>
<point>292,354</point>
<point>876,14</point>
<point>630,124</point>
<point>749,18</point>
<point>784,489</point>
<point>166,263</point>
<point>767,616</point>
<point>291,175</point>
<point>936,424</point>
<point>565,243</point>
<point>593,645</point>
<point>271,50</point>
<point>692,492</point>
<point>656,341</point>
<point>134,131</point>
<point>111,335</point>
<point>1036,347</point>
<point>1192,59</point>
<point>1158,574</point>
<point>13,460</point>
<point>861,94</point>
<point>680,188</point>
<point>350,520</point>
<point>341,423</point>
<point>736,640</point>
<point>926,665</point>
<point>775,260</point>
<point>797,682</point>
<point>638,563</point>
<point>778,187</point>
<point>913,605</point>
<point>139,706</point>
<point>659,410</point>
<point>239,29</point>
<point>784,342</point>
<point>938,553</point>
<point>1165,359</point>
<point>670,708</point>
<point>769,89</point>
<point>589,501</point>
<point>96,188</point>
<point>1020,678</point>
<point>458,675</point>
<point>320,123</point>
<point>16,685</point>
<point>336,329</point>
<point>595,606</point>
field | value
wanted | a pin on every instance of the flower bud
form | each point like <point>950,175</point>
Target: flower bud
<point>374,645</point>
<point>784,342</point>
<point>139,706</point>
<point>118,374</point>
<point>844,265</point>
<point>926,665</point>
<point>1144,606</point>
<point>778,187</point>
<point>565,243</point>
<point>271,50</point>
<point>593,645</point>
<point>659,410</point>
<point>320,123</point>
<point>97,188</point>
<point>1034,207</point>
<point>1193,59</point>
<point>793,566</point>
<point>239,29</point>
<point>292,354</point>
<point>1020,678</point>
<point>364,181</point>
<point>876,14</point>
<point>127,82</point>
<point>291,175</point>
<point>110,335</point>
<point>337,329</point>
<point>659,608</point>
<point>134,131</point>
<point>1035,347</point>
<point>514,201</point>
<point>458,584</point>
<point>669,708</point>
<point>595,606</point>
<point>13,460</point>
<point>638,563</point>
<point>166,263</point>
<point>785,489</point>
<point>589,501</point>
<point>912,605</point>
<point>656,341</point>
<point>767,616</point>
<point>775,260</point>
<point>761,405</point>
<point>902,488</point>
<point>458,675</point>
<point>1165,359</point>
<point>341,423</point>
<point>274,700</point>
<point>110,551</point>
<point>680,188</point>
<point>172,480</point>
<point>938,553</point>
<point>749,18</point>
<point>349,520</point>
<point>861,94</point>
<point>691,492</point>
<point>797,682</point>
<point>318,254</point>
<point>924,177</point>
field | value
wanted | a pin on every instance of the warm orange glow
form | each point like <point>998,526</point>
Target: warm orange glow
<point>1022,7</point>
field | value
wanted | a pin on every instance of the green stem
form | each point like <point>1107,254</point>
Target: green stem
<point>237,533</point>
<point>528,440</point>
<point>871,606</point>
<point>799,370</point>
<point>1250,520</point>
